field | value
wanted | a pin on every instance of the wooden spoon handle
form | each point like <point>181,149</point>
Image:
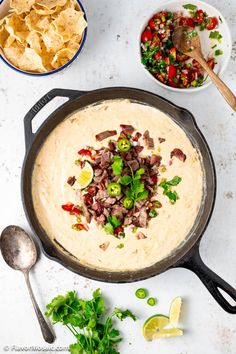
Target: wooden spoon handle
<point>221,86</point>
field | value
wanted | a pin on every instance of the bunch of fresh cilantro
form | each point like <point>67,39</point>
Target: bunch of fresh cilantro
<point>136,190</point>
<point>94,333</point>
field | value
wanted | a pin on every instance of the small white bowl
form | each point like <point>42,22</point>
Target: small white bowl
<point>206,42</point>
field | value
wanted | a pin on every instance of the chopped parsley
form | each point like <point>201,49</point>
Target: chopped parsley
<point>167,187</point>
<point>218,52</point>
<point>117,165</point>
<point>215,35</point>
<point>190,7</point>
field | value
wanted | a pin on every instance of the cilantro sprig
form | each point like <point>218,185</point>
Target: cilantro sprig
<point>84,320</point>
<point>167,188</point>
<point>111,224</point>
<point>117,165</point>
<point>136,190</point>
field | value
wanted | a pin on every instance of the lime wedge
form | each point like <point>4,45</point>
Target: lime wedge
<point>175,309</point>
<point>154,325</point>
<point>167,333</point>
<point>84,177</point>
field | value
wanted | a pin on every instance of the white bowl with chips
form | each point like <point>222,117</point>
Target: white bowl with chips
<point>44,11</point>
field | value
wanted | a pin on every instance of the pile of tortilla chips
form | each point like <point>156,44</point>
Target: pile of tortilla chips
<point>41,35</point>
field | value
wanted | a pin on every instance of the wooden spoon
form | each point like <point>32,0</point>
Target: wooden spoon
<point>187,41</point>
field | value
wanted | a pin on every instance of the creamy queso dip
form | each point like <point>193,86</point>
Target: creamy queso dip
<point>55,162</point>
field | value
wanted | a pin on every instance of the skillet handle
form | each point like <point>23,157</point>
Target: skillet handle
<point>42,102</point>
<point>210,279</point>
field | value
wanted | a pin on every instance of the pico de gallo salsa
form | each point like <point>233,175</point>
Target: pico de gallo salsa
<point>163,60</point>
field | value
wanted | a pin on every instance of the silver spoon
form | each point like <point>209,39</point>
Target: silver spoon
<point>20,253</point>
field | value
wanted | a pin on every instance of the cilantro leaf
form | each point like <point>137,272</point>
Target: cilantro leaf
<point>215,35</point>
<point>142,195</point>
<point>139,173</point>
<point>109,229</point>
<point>125,180</point>
<point>117,165</point>
<point>114,221</point>
<point>166,185</point>
<point>190,7</point>
<point>121,315</point>
<point>218,52</point>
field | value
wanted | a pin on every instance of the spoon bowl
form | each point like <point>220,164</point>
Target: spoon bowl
<point>20,253</point>
<point>18,249</point>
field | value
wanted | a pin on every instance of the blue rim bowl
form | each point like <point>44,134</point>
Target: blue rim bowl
<point>61,67</point>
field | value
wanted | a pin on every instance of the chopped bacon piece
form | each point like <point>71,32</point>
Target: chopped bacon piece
<point>88,199</point>
<point>140,236</point>
<point>71,181</point>
<point>104,246</point>
<point>137,136</point>
<point>85,152</point>
<point>92,190</point>
<point>148,140</point>
<point>155,160</point>
<point>127,129</point>
<point>161,140</point>
<point>179,154</point>
<point>80,227</point>
<point>106,134</point>
<point>68,207</point>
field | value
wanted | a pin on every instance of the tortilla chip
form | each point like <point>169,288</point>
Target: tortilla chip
<point>34,41</point>
<point>70,22</point>
<point>20,6</point>
<point>43,11</point>
<point>36,22</point>
<point>4,34</point>
<point>74,43</point>
<point>49,4</point>
<point>16,27</point>
<point>25,59</point>
<point>52,40</point>
<point>62,57</point>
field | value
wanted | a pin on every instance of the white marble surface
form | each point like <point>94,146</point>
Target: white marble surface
<point>110,59</point>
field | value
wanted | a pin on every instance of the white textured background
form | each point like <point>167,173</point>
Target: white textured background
<point>110,59</point>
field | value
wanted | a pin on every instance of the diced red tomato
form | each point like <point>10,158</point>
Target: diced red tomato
<point>68,206</point>
<point>157,55</point>
<point>199,17</point>
<point>189,22</point>
<point>88,199</point>
<point>146,36</point>
<point>211,63</point>
<point>152,24</point>
<point>75,211</point>
<point>85,152</point>
<point>172,72</point>
<point>212,23</point>
<point>118,230</point>
<point>181,20</point>
<point>173,52</point>
<point>92,190</point>
<point>81,227</point>
<point>173,83</point>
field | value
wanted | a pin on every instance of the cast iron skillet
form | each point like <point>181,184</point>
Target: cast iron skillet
<point>187,255</point>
